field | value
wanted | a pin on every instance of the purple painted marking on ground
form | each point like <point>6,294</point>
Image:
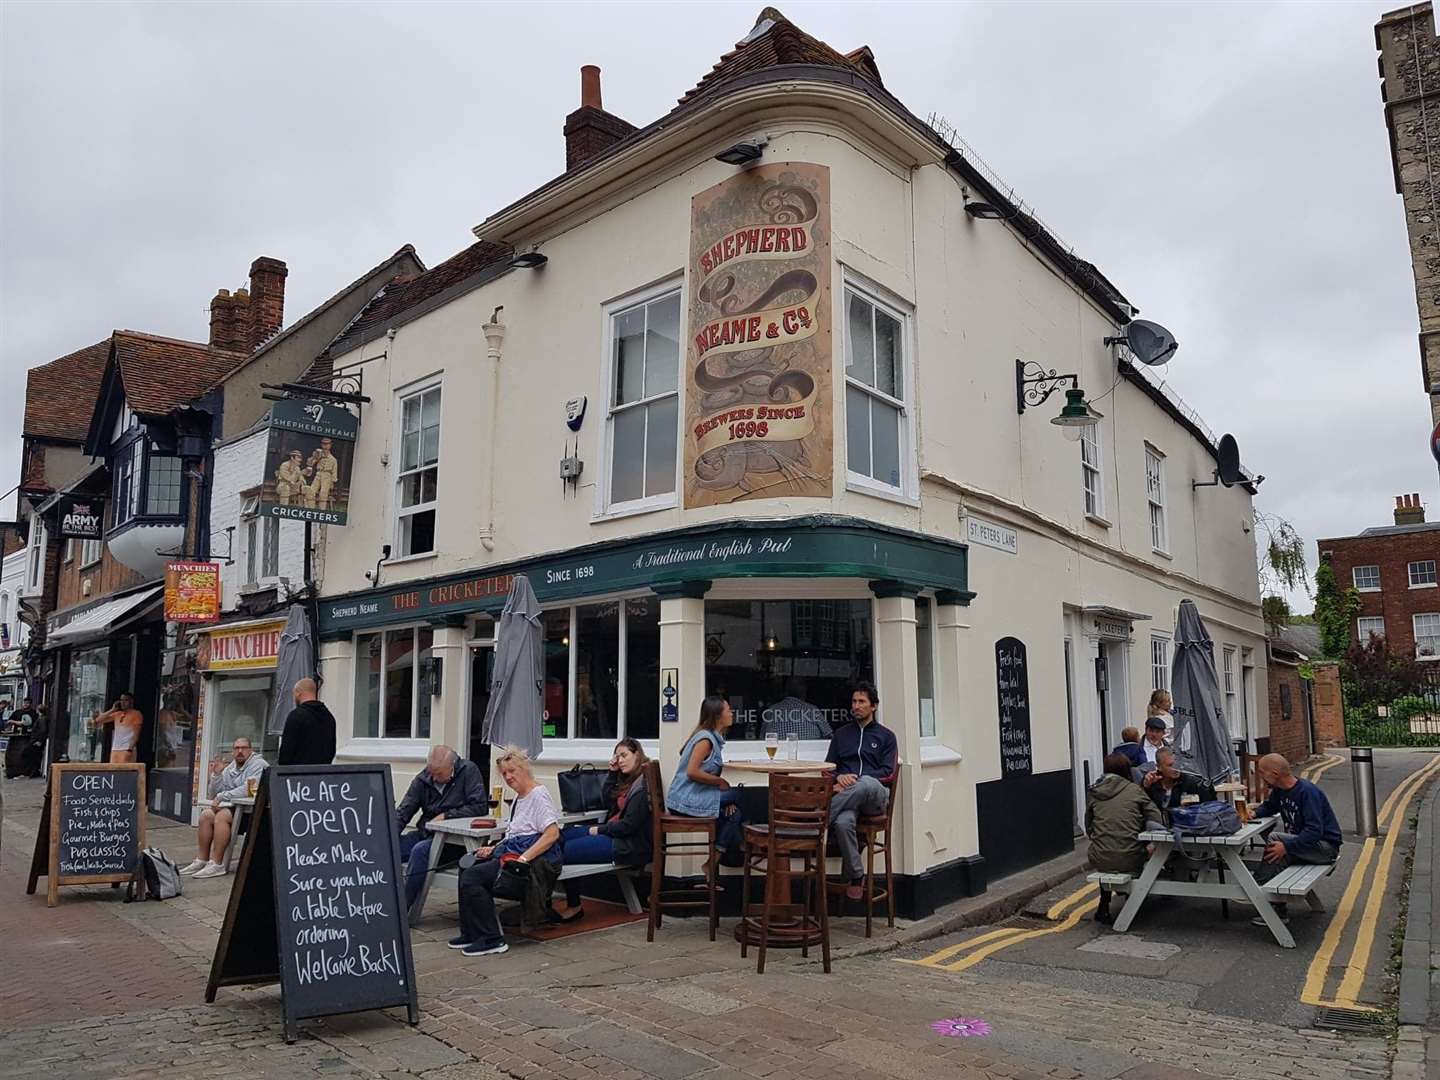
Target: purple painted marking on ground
<point>960,1027</point>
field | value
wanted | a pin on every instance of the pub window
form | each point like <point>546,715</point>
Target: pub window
<point>925,663</point>
<point>393,695</point>
<point>642,414</point>
<point>787,666</point>
<point>1159,663</point>
<point>1228,679</point>
<point>419,472</point>
<point>602,670</point>
<point>877,436</point>
<point>1092,479</point>
<point>1155,497</point>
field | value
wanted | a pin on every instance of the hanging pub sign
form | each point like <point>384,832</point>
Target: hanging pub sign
<point>192,592</point>
<point>757,402</point>
<point>308,461</point>
<point>82,517</point>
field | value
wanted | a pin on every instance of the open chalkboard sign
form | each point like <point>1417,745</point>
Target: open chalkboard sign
<point>92,827</point>
<point>317,903</point>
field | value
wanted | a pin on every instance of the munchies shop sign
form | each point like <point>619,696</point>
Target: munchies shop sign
<point>757,413</point>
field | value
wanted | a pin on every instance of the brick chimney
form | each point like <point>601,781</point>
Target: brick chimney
<point>244,321</point>
<point>1408,510</point>
<point>590,130</point>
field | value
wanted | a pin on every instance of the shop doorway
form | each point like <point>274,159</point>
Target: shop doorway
<point>482,670</point>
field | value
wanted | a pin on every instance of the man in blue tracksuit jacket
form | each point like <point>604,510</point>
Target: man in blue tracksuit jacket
<point>863,754</point>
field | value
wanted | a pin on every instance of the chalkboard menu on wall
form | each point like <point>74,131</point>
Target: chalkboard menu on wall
<point>1012,682</point>
<point>92,826</point>
<point>317,903</point>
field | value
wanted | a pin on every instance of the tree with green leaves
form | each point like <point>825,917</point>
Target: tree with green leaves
<point>1335,611</point>
<point>1282,567</point>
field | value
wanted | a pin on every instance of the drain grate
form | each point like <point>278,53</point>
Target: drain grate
<point>1353,1021</point>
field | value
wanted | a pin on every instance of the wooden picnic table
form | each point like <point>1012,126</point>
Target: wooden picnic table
<point>1241,886</point>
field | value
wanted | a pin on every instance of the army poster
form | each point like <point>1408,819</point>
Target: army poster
<point>758,398</point>
<point>308,461</point>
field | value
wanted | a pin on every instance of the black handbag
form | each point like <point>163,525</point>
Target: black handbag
<point>582,789</point>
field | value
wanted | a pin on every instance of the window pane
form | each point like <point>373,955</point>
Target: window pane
<point>409,450</point>
<point>886,443</point>
<point>642,668</point>
<point>417,532</point>
<point>661,433</point>
<point>252,548</point>
<point>272,547</point>
<point>925,664</point>
<point>860,359</point>
<point>426,697</point>
<point>430,445</point>
<point>557,674</point>
<point>629,355</point>
<point>628,456</point>
<point>662,346</point>
<point>597,672</point>
<point>162,494</point>
<point>888,369</point>
<point>399,682</point>
<point>857,430</point>
<point>430,408</point>
<point>787,665</point>
<point>410,415</point>
<point>367,686</point>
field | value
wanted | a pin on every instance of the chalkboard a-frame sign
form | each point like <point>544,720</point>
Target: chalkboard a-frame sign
<point>92,827</point>
<point>316,904</point>
<point>1012,684</point>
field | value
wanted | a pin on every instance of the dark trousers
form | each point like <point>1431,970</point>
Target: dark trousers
<point>581,847</point>
<point>730,825</point>
<point>415,852</point>
<point>479,887</point>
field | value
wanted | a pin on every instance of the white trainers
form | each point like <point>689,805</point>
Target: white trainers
<point>194,865</point>
<point>210,870</point>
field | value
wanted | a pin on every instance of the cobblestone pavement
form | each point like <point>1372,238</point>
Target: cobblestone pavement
<point>125,1000</point>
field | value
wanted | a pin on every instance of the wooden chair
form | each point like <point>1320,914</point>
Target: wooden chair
<point>799,818</point>
<point>663,827</point>
<point>874,833</point>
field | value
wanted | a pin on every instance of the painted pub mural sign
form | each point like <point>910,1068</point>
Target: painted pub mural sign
<point>758,365</point>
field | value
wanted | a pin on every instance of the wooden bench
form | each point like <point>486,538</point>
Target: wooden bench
<point>1299,881</point>
<point>623,877</point>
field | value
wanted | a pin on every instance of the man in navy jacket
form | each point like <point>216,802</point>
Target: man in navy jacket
<point>863,754</point>
<point>450,787</point>
<point>1311,831</point>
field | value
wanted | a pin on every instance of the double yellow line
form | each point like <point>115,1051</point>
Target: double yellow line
<point>1391,815</point>
<point>1078,904</point>
<point>1321,767</point>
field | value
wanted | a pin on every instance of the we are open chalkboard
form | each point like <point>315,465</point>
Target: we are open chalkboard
<point>1012,681</point>
<point>317,903</point>
<point>92,826</point>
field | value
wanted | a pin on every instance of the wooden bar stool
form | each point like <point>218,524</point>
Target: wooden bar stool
<point>799,817</point>
<point>876,833</point>
<point>665,826</point>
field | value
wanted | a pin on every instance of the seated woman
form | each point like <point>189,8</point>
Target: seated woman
<point>624,837</point>
<point>1116,812</point>
<point>534,834</point>
<point>699,790</point>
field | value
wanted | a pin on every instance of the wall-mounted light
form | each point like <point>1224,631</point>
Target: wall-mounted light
<point>1034,385</point>
<point>984,211</point>
<point>771,642</point>
<point>742,153</point>
<point>530,260</point>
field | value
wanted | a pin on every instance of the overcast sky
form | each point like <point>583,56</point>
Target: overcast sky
<point>1225,165</point>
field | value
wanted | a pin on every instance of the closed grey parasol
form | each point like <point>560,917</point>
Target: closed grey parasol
<point>517,702</point>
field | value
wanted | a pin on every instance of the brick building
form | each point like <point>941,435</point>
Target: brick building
<point>1409,65</point>
<point>1307,715</point>
<point>1394,569</point>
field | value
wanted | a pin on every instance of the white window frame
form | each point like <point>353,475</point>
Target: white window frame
<point>604,508</point>
<point>1433,637</point>
<point>1092,497</point>
<point>933,738</point>
<point>1159,662</point>
<point>91,552</point>
<point>34,583</point>
<point>69,549</point>
<point>261,538</point>
<point>407,745</point>
<point>1227,684</point>
<point>1363,634</point>
<point>403,395</point>
<point>1155,499</point>
<point>1355,578</point>
<point>902,312</point>
<point>1427,577</point>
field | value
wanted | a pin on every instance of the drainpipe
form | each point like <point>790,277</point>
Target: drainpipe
<point>494,337</point>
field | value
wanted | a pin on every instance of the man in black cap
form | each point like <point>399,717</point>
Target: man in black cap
<point>1154,740</point>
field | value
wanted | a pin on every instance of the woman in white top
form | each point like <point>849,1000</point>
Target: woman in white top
<point>533,833</point>
<point>1160,705</point>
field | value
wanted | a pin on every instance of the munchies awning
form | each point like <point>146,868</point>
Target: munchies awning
<point>101,619</point>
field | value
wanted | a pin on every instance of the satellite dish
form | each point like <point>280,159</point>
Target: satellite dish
<point>1150,342</point>
<point>1228,454</point>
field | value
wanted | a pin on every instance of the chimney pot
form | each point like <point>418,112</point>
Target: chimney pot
<point>590,87</point>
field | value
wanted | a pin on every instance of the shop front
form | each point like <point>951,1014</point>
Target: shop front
<point>236,662</point>
<point>781,618</point>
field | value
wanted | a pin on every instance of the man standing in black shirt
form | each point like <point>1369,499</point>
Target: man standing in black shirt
<point>309,735</point>
<point>863,754</point>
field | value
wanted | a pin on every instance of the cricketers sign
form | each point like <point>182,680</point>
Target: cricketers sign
<point>757,412</point>
<point>308,461</point>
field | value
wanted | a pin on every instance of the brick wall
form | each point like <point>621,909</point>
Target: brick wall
<point>1288,733</point>
<point>105,577</point>
<point>1329,707</point>
<point>1396,601</point>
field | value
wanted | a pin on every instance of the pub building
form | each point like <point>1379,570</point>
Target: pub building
<point>744,394</point>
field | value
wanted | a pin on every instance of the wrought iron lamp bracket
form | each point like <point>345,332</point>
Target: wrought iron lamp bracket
<point>1034,385</point>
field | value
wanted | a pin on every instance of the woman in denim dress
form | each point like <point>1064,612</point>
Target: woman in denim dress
<point>699,790</point>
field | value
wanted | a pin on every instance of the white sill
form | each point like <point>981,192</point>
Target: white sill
<point>1096,519</point>
<point>625,510</point>
<point>1369,588</point>
<point>401,560</point>
<point>367,749</point>
<point>88,565</point>
<point>1424,585</point>
<point>587,751</point>
<point>937,753</point>
<point>864,485</point>
<point>1163,554</point>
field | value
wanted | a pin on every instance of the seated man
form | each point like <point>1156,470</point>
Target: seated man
<point>1154,739</point>
<point>1116,813</point>
<point>1168,785</point>
<point>863,754</point>
<point>1312,833</point>
<point>449,787</point>
<point>1130,747</point>
<point>217,819</point>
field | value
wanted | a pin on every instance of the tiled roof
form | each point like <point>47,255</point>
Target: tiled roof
<point>1300,638</point>
<point>160,374</point>
<point>60,395</point>
<point>1396,530</point>
<point>775,40</point>
<point>401,296</point>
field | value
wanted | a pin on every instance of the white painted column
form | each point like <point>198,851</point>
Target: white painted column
<point>682,648</point>
<point>952,709</point>
<point>448,721</point>
<point>336,667</point>
<point>897,678</point>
